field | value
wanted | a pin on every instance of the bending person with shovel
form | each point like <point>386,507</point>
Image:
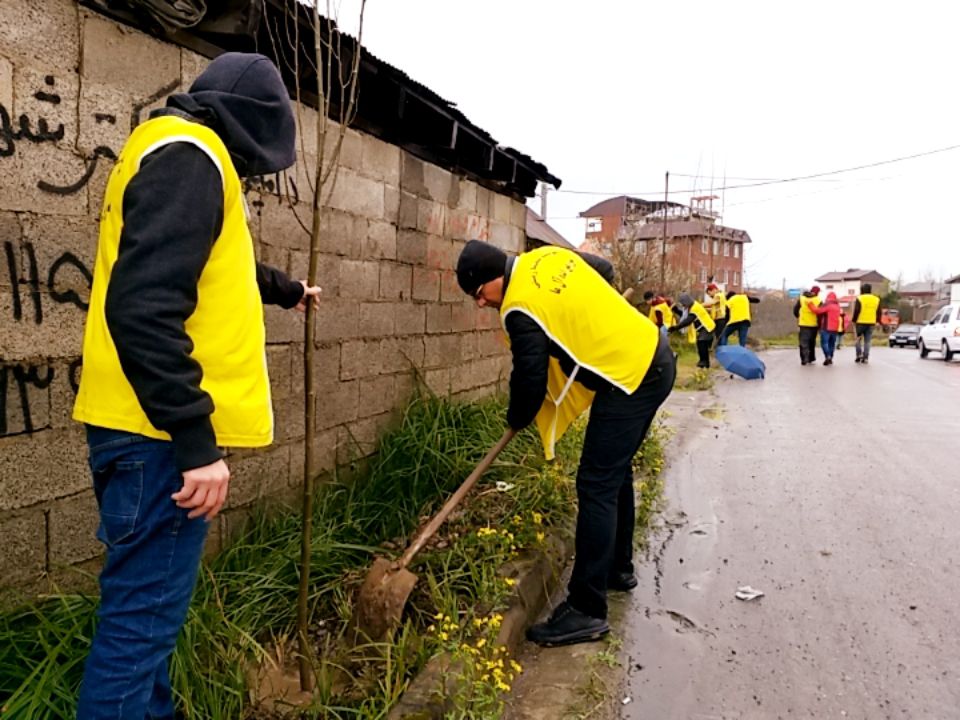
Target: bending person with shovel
<point>576,344</point>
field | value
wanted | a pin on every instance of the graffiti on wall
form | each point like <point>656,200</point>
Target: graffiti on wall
<point>56,284</point>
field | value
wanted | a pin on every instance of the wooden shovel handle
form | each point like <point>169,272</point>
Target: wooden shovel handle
<point>455,499</point>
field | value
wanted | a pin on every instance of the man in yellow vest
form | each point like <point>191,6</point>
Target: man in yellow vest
<point>578,344</point>
<point>716,304</point>
<point>174,362</point>
<point>739,317</point>
<point>660,313</point>
<point>808,324</point>
<point>700,325</point>
<point>866,310</point>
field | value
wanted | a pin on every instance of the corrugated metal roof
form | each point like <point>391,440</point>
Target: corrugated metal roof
<point>539,229</point>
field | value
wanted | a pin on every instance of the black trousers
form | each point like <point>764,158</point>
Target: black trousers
<point>606,514</point>
<point>718,331</point>
<point>808,344</point>
<point>703,349</point>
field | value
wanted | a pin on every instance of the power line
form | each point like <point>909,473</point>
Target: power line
<point>776,181</point>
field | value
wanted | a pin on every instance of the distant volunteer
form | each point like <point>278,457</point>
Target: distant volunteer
<point>700,327</point>
<point>866,310</point>
<point>808,324</point>
<point>739,317</point>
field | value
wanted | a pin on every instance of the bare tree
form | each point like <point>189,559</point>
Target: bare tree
<point>326,75</point>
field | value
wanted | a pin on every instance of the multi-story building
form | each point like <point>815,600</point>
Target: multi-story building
<point>688,240</point>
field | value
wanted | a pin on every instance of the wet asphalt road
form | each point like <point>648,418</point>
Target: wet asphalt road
<point>836,491</point>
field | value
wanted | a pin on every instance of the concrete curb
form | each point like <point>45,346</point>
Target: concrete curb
<point>537,576</point>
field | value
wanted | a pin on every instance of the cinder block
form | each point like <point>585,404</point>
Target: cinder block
<point>46,34</point>
<point>59,332</point>
<point>463,226</point>
<point>306,119</point>
<point>439,318</point>
<point>391,204</point>
<point>289,422</point>
<point>325,447</point>
<point>468,347</point>
<point>411,176</point>
<point>43,178</point>
<point>431,216</point>
<point>11,231</point>
<point>404,385</point>
<point>283,326</point>
<point>441,349</point>
<point>359,195</point>
<point>24,549</point>
<point>340,405</point>
<point>278,367</point>
<point>468,196</point>
<point>518,214</point>
<point>426,284</point>
<point>359,358</point>
<point>381,241</point>
<point>411,319</point>
<point>359,279</point>
<point>376,395</point>
<point>438,381</point>
<point>501,210</point>
<point>412,247</point>
<point>72,529</point>
<point>379,160</point>
<point>395,281</point>
<point>463,316</point>
<point>342,233</point>
<point>326,369</point>
<point>501,235</point>
<point>26,389</point>
<point>484,201</point>
<point>350,154</point>
<point>365,434</point>
<point>250,473</point>
<point>191,65</point>
<point>279,225</point>
<point>6,85</point>
<point>439,183</point>
<point>377,319</point>
<point>48,99</point>
<point>450,290</point>
<point>408,210</point>
<point>42,466</point>
<point>492,342</point>
<point>63,392</point>
<point>518,241</point>
<point>275,257</point>
<point>488,319</point>
<point>442,254</point>
<point>401,354</point>
<point>64,248</point>
<point>113,54</point>
<point>337,320</point>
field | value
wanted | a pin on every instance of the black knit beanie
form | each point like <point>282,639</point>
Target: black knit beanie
<point>479,263</point>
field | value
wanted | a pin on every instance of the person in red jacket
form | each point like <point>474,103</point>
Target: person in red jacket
<point>831,325</point>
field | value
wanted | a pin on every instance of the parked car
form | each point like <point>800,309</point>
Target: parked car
<point>905,335</point>
<point>942,334</point>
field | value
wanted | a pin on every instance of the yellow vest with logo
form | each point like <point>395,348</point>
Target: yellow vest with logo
<point>808,318</point>
<point>718,310</point>
<point>666,312</point>
<point>226,328</point>
<point>589,320</point>
<point>703,320</point>
<point>739,306</point>
<point>869,304</point>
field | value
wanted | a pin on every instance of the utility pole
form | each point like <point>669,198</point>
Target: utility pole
<point>663,252</point>
<point>543,199</point>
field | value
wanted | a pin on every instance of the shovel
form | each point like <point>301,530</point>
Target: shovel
<point>384,593</point>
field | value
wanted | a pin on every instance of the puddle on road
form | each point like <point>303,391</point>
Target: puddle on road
<point>714,412</point>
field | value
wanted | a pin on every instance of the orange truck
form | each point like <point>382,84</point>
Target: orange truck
<point>889,319</point>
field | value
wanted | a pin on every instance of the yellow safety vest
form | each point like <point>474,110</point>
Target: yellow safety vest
<point>869,304</point>
<point>718,310</point>
<point>226,328</point>
<point>808,318</point>
<point>703,319</point>
<point>668,319</point>
<point>739,306</point>
<point>589,320</point>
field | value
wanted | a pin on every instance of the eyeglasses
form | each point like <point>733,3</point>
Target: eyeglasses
<point>476,293</point>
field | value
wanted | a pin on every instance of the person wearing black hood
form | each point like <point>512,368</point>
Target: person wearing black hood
<point>174,362</point>
<point>703,326</point>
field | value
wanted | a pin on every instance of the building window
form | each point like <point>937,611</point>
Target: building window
<point>726,276</point>
<point>736,250</point>
<point>736,278</point>
<point>594,224</point>
<point>703,274</point>
<point>704,246</point>
<point>716,247</point>
<point>726,249</point>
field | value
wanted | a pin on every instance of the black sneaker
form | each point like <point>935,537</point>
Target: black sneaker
<point>622,582</point>
<point>567,626</point>
<point>859,359</point>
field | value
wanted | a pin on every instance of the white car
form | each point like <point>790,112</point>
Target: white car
<point>942,334</point>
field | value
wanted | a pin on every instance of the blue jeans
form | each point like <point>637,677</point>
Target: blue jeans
<point>741,328</point>
<point>153,556</point>
<point>828,342</point>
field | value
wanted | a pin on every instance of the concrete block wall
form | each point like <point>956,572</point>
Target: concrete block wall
<point>72,85</point>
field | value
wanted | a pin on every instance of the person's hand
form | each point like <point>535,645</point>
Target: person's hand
<point>309,291</point>
<point>204,490</point>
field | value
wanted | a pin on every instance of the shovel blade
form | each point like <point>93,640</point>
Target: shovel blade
<point>382,597</point>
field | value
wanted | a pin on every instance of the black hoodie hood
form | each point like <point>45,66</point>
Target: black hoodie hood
<point>243,99</point>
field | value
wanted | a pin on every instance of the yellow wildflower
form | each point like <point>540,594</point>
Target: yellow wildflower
<point>443,636</point>
<point>540,537</point>
<point>537,518</point>
<point>510,582</point>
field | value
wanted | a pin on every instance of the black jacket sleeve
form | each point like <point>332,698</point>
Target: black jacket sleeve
<point>796,309</point>
<point>530,347</point>
<point>753,299</point>
<point>601,265</point>
<point>690,317</point>
<point>172,214</point>
<point>276,288</point>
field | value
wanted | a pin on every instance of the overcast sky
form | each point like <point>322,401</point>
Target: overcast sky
<point>610,94</point>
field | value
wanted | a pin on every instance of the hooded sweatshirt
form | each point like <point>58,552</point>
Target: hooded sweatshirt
<point>830,313</point>
<point>173,213</point>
